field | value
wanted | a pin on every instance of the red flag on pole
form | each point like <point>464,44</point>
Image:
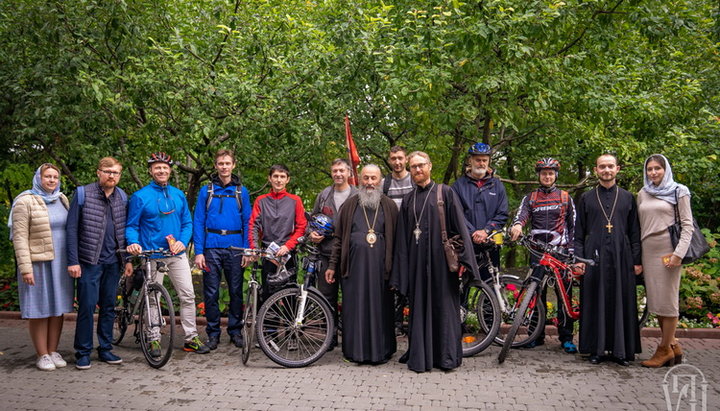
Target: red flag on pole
<point>353,156</point>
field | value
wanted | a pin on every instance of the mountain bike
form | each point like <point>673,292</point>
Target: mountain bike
<point>557,271</point>
<point>295,325</point>
<point>150,308</point>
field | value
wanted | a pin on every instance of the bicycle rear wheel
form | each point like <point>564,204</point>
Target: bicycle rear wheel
<point>535,318</point>
<point>523,316</point>
<point>480,317</point>
<point>287,343</point>
<point>248,327</point>
<point>157,333</point>
<point>122,316</point>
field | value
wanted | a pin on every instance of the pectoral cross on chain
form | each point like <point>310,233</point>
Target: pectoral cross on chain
<point>417,231</point>
<point>609,227</point>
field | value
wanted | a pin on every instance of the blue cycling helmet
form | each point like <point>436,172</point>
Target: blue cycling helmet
<point>322,224</point>
<point>480,148</point>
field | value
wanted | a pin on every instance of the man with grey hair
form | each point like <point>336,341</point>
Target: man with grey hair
<point>362,255</point>
<point>420,270</point>
<point>328,202</point>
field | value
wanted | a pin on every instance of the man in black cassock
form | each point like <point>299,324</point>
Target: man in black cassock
<point>607,230</point>
<point>362,250</point>
<point>420,271</point>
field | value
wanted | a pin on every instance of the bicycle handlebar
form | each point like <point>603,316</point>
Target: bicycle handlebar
<point>554,250</point>
<point>254,252</point>
<point>147,253</point>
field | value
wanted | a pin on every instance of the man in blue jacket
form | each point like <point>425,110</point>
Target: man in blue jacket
<point>95,229</point>
<point>483,199</point>
<point>221,220</point>
<point>157,212</point>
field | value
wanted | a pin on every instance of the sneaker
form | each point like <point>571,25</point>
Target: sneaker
<point>238,340</point>
<point>57,359</point>
<point>569,347</point>
<point>534,343</point>
<point>195,345</point>
<point>212,342</point>
<point>45,363</point>
<point>82,363</point>
<point>109,357</point>
<point>155,349</point>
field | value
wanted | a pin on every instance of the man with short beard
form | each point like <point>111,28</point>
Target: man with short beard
<point>421,272</point>
<point>483,199</point>
<point>362,254</point>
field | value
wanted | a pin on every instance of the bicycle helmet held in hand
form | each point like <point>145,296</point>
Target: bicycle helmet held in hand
<point>322,224</point>
<point>480,149</point>
<point>547,163</point>
<point>160,157</point>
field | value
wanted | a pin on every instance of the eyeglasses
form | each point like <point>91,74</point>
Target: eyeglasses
<point>418,166</point>
<point>111,173</point>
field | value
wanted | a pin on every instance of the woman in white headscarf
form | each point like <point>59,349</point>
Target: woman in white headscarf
<point>661,262</point>
<point>37,227</point>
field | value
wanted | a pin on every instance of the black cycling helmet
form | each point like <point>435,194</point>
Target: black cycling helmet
<point>160,157</point>
<point>547,163</point>
<point>480,148</point>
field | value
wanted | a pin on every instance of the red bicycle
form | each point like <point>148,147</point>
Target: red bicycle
<point>558,271</point>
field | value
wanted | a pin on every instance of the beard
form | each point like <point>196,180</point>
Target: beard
<point>369,198</point>
<point>479,171</point>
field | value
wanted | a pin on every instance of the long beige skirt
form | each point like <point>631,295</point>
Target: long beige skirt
<point>661,283</point>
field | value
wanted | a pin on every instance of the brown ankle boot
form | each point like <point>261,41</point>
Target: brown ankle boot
<point>677,351</point>
<point>663,356</point>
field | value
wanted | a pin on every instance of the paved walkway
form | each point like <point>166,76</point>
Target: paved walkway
<point>540,379</point>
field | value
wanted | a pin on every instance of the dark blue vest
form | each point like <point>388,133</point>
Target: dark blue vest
<point>92,222</point>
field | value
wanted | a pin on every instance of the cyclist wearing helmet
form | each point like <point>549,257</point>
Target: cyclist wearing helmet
<point>328,202</point>
<point>483,199</point>
<point>221,220</point>
<point>159,217</point>
<point>551,214</point>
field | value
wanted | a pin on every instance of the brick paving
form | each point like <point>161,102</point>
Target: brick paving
<point>543,378</point>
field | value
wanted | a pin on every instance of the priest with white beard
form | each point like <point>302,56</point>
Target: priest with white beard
<point>362,255</point>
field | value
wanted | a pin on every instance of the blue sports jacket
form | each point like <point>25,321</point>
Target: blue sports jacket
<point>485,205</point>
<point>223,214</point>
<point>155,212</point>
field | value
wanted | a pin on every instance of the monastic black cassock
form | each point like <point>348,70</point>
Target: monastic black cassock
<point>367,310</point>
<point>420,272</point>
<point>367,306</point>
<point>608,302</point>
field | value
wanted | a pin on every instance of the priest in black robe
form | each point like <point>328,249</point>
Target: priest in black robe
<point>420,271</point>
<point>607,230</point>
<point>362,250</point>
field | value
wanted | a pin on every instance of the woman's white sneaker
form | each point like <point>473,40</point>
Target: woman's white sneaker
<point>57,359</point>
<point>45,363</point>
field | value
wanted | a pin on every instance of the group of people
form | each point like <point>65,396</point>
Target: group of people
<point>386,252</point>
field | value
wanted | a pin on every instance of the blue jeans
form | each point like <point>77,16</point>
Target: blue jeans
<point>97,285</point>
<point>221,260</point>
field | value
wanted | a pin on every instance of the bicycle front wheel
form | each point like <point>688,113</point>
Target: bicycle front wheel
<point>283,340</point>
<point>122,316</point>
<point>157,326</point>
<point>523,319</point>
<point>248,327</point>
<point>480,316</point>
